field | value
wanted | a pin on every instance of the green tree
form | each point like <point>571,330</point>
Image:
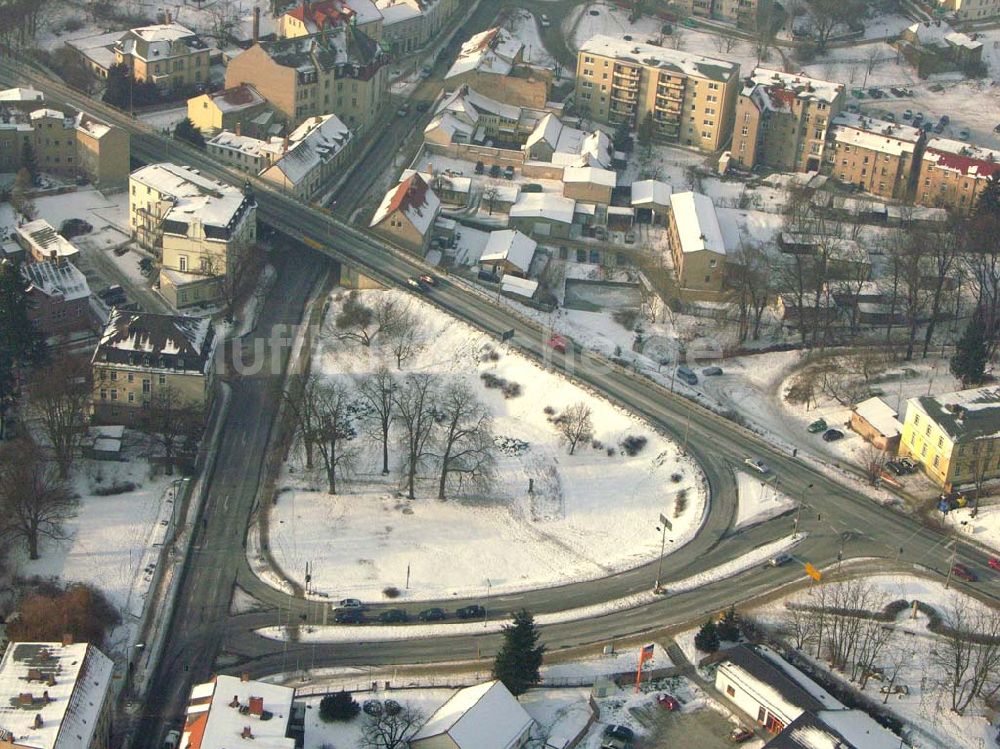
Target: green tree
<point>989,198</point>
<point>187,130</point>
<point>29,159</point>
<point>20,343</point>
<point>339,706</point>
<point>729,626</point>
<point>645,133</point>
<point>520,657</point>
<point>119,86</point>
<point>968,363</point>
<point>707,639</point>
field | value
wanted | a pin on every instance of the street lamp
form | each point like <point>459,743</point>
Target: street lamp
<point>662,527</point>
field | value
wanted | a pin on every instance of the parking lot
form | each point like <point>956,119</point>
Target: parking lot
<point>704,728</point>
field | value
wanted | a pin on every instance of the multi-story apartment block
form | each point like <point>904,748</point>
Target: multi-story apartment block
<point>195,223</point>
<point>493,63</point>
<point>971,10</point>
<point>741,12</point>
<point>301,163</point>
<point>339,70</point>
<point>690,98</point>
<point>59,297</point>
<point>312,16</point>
<point>55,696</point>
<point>408,25</point>
<point>782,120</point>
<point>143,357</point>
<point>878,157</point>
<point>169,55</point>
<point>954,437</point>
<point>229,109</point>
<point>953,174</point>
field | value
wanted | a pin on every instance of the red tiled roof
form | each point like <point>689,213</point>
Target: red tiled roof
<point>781,97</point>
<point>410,193</point>
<point>238,95</point>
<point>965,164</point>
<point>324,13</point>
<point>195,726</point>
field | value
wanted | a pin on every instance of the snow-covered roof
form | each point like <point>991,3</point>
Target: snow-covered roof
<point>801,86</point>
<point>545,205</point>
<point>343,44</point>
<point>546,131</point>
<point>330,13</point>
<point>880,415</point>
<point>89,124</point>
<point>156,42</point>
<point>941,35</point>
<point>414,199</point>
<point>64,685</point>
<point>443,181</point>
<point>957,39</point>
<point>835,729</point>
<point>254,147</point>
<point>485,716</point>
<point>54,114</point>
<point>163,341</point>
<point>55,278</point>
<point>21,94</point>
<point>397,13</point>
<point>956,156</point>
<point>236,98</point>
<point>99,48</point>
<point>314,142</point>
<point>651,55</point>
<point>491,51</point>
<point>874,135</point>
<point>222,712</point>
<point>45,240</point>
<point>195,196</point>
<point>590,175</point>
<point>520,286</point>
<point>571,146</point>
<point>697,223</point>
<point>511,245</point>
<point>651,192</point>
<point>964,414</point>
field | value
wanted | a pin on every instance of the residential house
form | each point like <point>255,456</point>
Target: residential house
<point>313,16</point>
<point>971,10</point>
<point>651,201</point>
<point>878,157</point>
<point>954,437</point>
<point>878,423</point>
<point>954,174</point>
<point>59,298</point>
<point>787,703</point>
<point>589,184</point>
<point>690,98</point>
<point>144,356</point>
<point>45,243</point>
<point>492,62</point>
<point>935,48</point>
<point>169,55</point>
<point>542,214</point>
<point>448,186</point>
<point>696,244</point>
<point>340,70</point>
<point>103,151</point>
<point>553,141</point>
<point>408,25</point>
<point>195,223</point>
<point>782,120</point>
<point>55,696</point>
<point>467,117</point>
<point>243,710</point>
<point>744,13</point>
<point>508,252</point>
<point>407,213</point>
<point>815,309</point>
<point>96,53</point>
<point>485,716</point>
<point>231,109</point>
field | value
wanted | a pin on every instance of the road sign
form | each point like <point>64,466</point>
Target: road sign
<point>814,573</point>
<point>507,335</point>
<point>666,523</point>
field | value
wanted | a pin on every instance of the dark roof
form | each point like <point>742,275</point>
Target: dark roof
<point>148,340</point>
<point>762,668</point>
<point>967,414</point>
<point>812,731</point>
<point>340,45</point>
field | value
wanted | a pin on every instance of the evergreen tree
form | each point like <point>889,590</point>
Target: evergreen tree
<point>29,160</point>
<point>187,130</point>
<point>707,639</point>
<point>520,657</point>
<point>968,363</point>
<point>729,626</point>
<point>20,342</point>
<point>989,199</point>
<point>645,133</point>
<point>339,706</point>
<point>119,86</point>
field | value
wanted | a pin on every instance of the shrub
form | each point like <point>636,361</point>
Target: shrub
<point>340,706</point>
<point>549,411</point>
<point>729,625</point>
<point>391,592</point>
<point>680,504</point>
<point>676,477</point>
<point>611,452</point>
<point>626,317</point>
<point>493,356</point>
<point>73,24</point>
<point>79,610</point>
<point>707,639</point>
<point>633,445</point>
<point>597,445</point>
<point>490,380</point>
<point>117,488</point>
<point>511,390</point>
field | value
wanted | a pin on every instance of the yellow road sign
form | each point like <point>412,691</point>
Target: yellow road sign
<point>814,573</point>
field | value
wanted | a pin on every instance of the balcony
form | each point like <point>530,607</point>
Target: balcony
<point>631,74</point>
<point>624,86</point>
<point>625,97</point>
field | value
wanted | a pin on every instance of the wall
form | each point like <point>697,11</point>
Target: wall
<point>188,388</point>
<point>275,83</point>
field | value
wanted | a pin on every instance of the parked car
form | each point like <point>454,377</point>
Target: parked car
<point>897,91</point>
<point>894,689</point>
<point>712,371</point>
<point>508,172</point>
<point>908,464</point>
<point>619,732</point>
<point>997,129</point>
<point>945,119</point>
<point>817,426</point>
<point>928,126</point>
<point>889,117</point>
<point>896,467</point>
<point>964,134</point>
<point>432,615</point>
<point>668,702</point>
<point>630,237</point>
<point>429,280</point>
<point>994,563</point>
<point>426,72</point>
<point>938,128</point>
<point>423,106</point>
<point>964,573</point>
<point>918,118</point>
<point>350,603</point>
<point>740,734</point>
<point>74,227</point>
<point>687,374</point>
<point>545,21</point>
<point>832,435</point>
<point>780,560</point>
<point>756,464</point>
<point>392,616</point>
<point>480,167</point>
<point>495,171</point>
<point>171,740</point>
<point>876,93</point>
<point>853,108</point>
<point>349,616</point>
<point>473,611</point>
<point>403,111</point>
<point>907,114</point>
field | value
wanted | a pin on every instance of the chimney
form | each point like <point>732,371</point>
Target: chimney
<point>256,25</point>
<point>247,733</point>
<point>25,698</point>
<point>257,706</point>
<point>239,127</point>
<point>67,639</point>
<point>284,149</point>
<point>169,17</point>
<point>245,676</point>
<point>45,696</point>
<point>38,721</point>
<point>236,701</point>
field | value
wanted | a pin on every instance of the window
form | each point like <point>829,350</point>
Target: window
<point>182,263</point>
<point>708,279</point>
<point>940,441</point>
<point>730,691</point>
<point>114,375</point>
<point>146,385</point>
<point>916,419</point>
<point>104,394</point>
<point>131,397</point>
<point>927,431</point>
<point>937,460</point>
<point>745,130</point>
<point>162,380</point>
<point>131,376</point>
<point>114,394</point>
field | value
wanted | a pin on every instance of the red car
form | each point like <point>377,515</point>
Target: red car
<point>558,343</point>
<point>668,703</point>
<point>964,573</point>
<point>740,734</point>
<point>994,563</point>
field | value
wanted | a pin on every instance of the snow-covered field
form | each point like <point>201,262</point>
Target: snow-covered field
<point>759,499</point>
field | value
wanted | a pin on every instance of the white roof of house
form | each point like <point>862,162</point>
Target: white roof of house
<point>397,13</point>
<point>21,94</point>
<point>829,729</point>
<point>491,51</point>
<point>571,146</point>
<point>880,415</point>
<point>651,192</point>
<point>507,193</point>
<point>314,142</point>
<point>511,245</point>
<point>57,278</point>
<point>244,143</point>
<point>957,39</point>
<point>545,205</point>
<point>195,196</point>
<point>98,48</point>
<point>875,135</point>
<point>414,199</point>
<point>153,42</point>
<point>80,678</point>
<point>590,175</point>
<point>697,223</point>
<point>53,113</point>
<point>485,716</point>
<point>219,721</point>
<point>547,130</point>
<point>87,124</point>
<point>46,240</point>
<point>660,57</point>
<point>520,286</point>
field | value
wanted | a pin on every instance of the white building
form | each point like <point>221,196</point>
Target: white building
<point>230,712</point>
<point>45,243</point>
<point>485,716</point>
<point>55,696</point>
<point>508,251</point>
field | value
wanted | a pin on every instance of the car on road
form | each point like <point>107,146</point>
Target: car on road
<point>779,561</point>
<point>962,572</point>
<point>832,435</point>
<point>545,21</point>
<point>426,72</point>
<point>817,426</point>
<point>876,93</point>
<point>630,237</point>
<point>938,128</point>
<point>944,119</point>
<point>172,739</point>
<point>392,616</point>
<point>687,374</point>
<point>756,464</point>
<point>964,134</point>
<point>350,603</point>
<point>349,616</point>
<point>557,343</point>
<point>416,283</point>
<point>712,371</point>
<point>740,734</point>
<point>423,106</point>
<point>928,126</point>
<point>889,117</point>
<point>480,167</point>
<point>473,611</point>
<point>668,702</point>
<point>432,615</point>
<point>997,129</point>
<point>429,280</point>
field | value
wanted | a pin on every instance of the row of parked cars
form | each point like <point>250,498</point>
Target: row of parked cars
<point>352,611</point>
<point>495,171</point>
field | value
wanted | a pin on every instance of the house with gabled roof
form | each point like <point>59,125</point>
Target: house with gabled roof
<point>59,298</point>
<point>485,716</point>
<point>407,213</point>
<point>492,62</point>
<point>312,16</point>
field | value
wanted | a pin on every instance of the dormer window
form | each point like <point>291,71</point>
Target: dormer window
<point>145,361</point>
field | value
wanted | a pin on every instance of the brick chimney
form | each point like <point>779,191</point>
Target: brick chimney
<point>284,149</point>
<point>257,706</point>
<point>256,25</point>
<point>245,676</point>
<point>239,127</point>
<point>25,698</point>
<point>236,701</point>
<point>67,639</point>
<point>247,733</point>
<point>38,721</point>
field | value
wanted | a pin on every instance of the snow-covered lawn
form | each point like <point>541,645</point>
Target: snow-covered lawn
<point>758,500</point>
<point>590,514</point>
<point>619,662</point>
<point>984,527</point>
<point>525,28</point>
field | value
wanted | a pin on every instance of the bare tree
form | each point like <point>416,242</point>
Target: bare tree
<point>800,624</point>
<point>828,15</point>
<point>406,336</point>
<point>34,501</point>
<point>464,446</point>
<point>376,391</point>
<point>873,637</point>
<point>356,321</point>
<point>244,263</point>
<point>59,399</point>
<point>943,249</point>
<point>172,424</point>
<point>224,21</point>
<point>575,425</point>
<point>299,398</point>
<point>751,287</point>
<point>803,387</point>
<point>390,727</point>
<point>335,417</point>
<point>968,653</point>
<point>416,410</point>
<point>873,462</point>
<point>490,196</point>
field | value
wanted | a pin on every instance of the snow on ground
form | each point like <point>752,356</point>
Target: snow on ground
<point>569,529</point>
<point>320,735</point>
<point>617,662</point>
<point>348,633</point>
<point>164,120</point>
<point>525,29</point>
<point>984,527</point>
<point>759,500</point>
